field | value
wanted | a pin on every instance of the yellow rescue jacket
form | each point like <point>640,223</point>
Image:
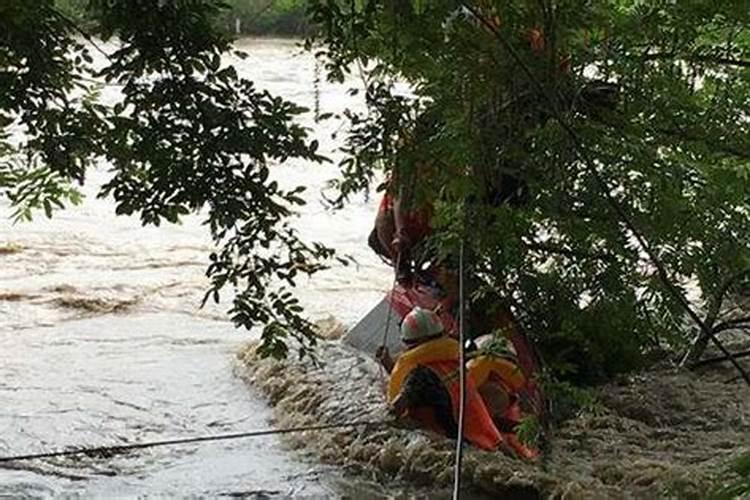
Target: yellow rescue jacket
<point>482,366</point>
<point>442,357</point>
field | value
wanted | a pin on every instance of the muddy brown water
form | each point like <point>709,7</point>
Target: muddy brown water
<point>102,340</point>
<point>660,434</point>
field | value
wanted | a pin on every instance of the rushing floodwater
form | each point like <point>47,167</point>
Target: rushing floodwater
<point>102,340</point>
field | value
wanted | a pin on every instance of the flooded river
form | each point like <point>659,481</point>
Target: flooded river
<point>102,340</point>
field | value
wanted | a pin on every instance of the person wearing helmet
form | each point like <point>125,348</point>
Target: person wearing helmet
<point>501,384</point>
<point>425,385</point>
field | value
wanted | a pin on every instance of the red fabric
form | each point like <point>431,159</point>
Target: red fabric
<point>416,223</point>
<point>479,429</point>
<point>386,203</point>
<point>511,441</point>
<point>404,299</point>
<point>513,414</point>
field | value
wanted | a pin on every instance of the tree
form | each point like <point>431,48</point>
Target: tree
<point>188,135</point>
<point>625,125</point>
<point>267,16</point>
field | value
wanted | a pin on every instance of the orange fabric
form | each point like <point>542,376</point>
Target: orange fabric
<point>515,444</point>
<point>494,370</point>
<point>441,356</point>
<point>536,40</point>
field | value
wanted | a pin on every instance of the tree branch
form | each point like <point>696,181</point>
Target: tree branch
<point>732,324</point>
<point>698,347</point>
<point>72,24</point>
<point>568,252</point>
<point>606,192</point>
<point>686,136</point>
<point>723,61</point>
<point>719,359</point>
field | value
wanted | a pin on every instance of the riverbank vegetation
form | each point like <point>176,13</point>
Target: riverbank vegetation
<point>266,17</point>
<point>593,159</point>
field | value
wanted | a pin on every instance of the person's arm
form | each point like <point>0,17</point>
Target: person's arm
<point>399,405</point>
<point>385,359</point>
<point>401,242</point>
<point>403,200</point>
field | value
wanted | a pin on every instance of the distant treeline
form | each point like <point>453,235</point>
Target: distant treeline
<point>248,17</point>
<point>266,17</point>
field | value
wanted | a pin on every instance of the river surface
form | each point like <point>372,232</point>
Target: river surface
<point>102,340</point>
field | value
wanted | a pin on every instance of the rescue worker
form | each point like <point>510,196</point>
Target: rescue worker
<point>403,218</point>
<point>501,384</point>
<point>425,384</point>
<point>397,230</point>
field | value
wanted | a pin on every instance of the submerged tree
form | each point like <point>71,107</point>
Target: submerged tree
<point>594,157</point>
<point>187,135</point>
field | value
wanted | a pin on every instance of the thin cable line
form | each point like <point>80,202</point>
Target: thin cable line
<point>461,377</point>
<point>110,450</point>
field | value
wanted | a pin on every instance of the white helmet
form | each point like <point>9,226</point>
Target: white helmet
<point>420,324</point>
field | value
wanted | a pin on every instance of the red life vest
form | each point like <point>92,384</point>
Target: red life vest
<point>415,222</point>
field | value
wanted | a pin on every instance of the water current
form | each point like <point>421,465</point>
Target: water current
<point>102,340</point>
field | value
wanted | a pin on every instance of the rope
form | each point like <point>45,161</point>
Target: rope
<point>111,450</point>
<point>390,308</point>
<point>461,377</point>
<point>384,342</point>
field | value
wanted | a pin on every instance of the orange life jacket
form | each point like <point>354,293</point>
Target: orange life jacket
<point>495,370</point>
<point>441,356</point>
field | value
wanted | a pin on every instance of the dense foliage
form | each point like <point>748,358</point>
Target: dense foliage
<point>735,482</point>
<point>188,135</point>
<point>594,157</point>
<point>250,17</point>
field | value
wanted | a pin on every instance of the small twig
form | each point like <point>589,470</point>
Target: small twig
<point>732,324</point>
<point>559,250</point>
<point>72,24</point>
<point>697,348</point>
<point>720,359</point>
<point>723,61</point>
